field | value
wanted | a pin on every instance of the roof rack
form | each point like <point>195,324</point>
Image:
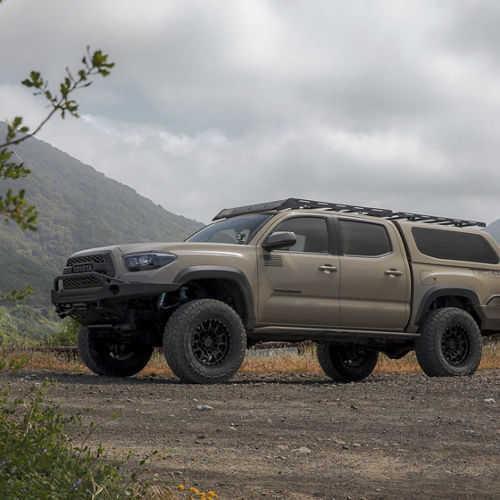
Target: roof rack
<point>295,203</point>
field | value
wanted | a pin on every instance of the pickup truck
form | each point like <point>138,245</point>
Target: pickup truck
<point>356,280</point>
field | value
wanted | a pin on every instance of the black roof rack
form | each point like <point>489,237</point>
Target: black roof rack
<point>294,203</point>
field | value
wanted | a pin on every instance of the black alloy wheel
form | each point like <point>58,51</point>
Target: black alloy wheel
<point>347,363</point>
<point>204,342</point>
<point>455,345</point>
<point>110,357</point>
<point>211,342</point>
<point>450,343</point>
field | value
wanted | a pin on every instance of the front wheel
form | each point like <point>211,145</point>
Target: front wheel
<point>204,342</point>
<point>450,343</point>
<point>110,357</point>
<point>346,363</point>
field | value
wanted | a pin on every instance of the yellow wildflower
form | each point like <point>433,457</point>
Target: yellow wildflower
<point>180,487</point>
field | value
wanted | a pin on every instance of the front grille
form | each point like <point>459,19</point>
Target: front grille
<point>101,263</point>
<point>85,259</point>
<point>81,282</point>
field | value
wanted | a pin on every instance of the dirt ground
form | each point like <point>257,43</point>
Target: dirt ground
<point>401,436</point>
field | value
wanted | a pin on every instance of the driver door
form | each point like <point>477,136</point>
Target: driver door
<point>299,285</point>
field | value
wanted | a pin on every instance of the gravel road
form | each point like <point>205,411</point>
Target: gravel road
<point>401,436</point>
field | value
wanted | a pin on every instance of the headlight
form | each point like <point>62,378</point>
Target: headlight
<point>145,261</point>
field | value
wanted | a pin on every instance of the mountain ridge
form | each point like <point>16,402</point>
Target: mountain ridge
<point>78,208</point>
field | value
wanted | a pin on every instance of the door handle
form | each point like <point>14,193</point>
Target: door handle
<point>327,268</point>
<point>392,272</point>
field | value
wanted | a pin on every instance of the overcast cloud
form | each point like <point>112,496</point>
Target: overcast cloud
<point>221,103</point>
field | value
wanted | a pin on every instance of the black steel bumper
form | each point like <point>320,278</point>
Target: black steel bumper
<point>100,289</point>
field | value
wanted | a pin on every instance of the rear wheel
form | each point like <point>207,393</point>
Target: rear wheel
<point>110,357</point>
<point>450,343</point>
<point>346,363</point>
<point>204,342</point>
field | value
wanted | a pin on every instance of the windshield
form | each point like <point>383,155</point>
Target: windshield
<point>236,230</point>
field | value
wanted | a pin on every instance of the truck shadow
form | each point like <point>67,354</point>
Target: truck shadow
<point>239,380</point>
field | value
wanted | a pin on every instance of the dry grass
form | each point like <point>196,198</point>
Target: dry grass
<point>275,361</point>
<point>307,363</point>
<point>33,360</point>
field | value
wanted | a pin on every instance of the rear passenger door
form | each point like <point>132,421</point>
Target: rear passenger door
<point>374,276</point>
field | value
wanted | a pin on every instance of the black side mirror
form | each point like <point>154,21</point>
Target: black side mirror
<point>279,239</point>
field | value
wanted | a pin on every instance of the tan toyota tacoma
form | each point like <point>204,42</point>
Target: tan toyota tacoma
<point>356,280</point>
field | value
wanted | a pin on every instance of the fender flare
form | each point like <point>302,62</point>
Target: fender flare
<point>228,273</point>
<point>441,291</point>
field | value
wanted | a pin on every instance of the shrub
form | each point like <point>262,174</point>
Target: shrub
<point>66,335</point>
<point>38,459</point>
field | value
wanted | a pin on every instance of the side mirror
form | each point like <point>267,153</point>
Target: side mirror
<point>279,239</point>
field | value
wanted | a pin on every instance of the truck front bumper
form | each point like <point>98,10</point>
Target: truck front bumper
<point>90,296</point>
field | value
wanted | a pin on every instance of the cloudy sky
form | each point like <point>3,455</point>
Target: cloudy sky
<point>221,103</point>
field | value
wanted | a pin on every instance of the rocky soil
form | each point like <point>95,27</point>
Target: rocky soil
<point>401,436</point>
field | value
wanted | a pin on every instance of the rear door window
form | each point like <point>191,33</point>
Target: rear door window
<point>364,238</point>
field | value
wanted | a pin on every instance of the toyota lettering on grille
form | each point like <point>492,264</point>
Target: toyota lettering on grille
<point>82,268</point>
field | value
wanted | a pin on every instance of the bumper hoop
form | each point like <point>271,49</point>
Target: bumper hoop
<point>96,287</point>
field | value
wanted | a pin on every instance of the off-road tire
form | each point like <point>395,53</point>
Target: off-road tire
<point>105,359</point>
<point>346,363</point>
<point>450,343</point>
<point>204,342</point>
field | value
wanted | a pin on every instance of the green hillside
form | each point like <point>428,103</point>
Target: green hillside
<point>78,208</point>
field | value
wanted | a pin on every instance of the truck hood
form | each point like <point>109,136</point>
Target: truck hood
<point>171,247</point>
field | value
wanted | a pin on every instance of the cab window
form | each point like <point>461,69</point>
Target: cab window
<point>311,234</point>
<point>364,239</point>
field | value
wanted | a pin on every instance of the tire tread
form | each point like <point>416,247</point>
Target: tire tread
<point>99,362</point>
<point>334,368</point>
<point>426,346</point>
<point>175,337</point>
